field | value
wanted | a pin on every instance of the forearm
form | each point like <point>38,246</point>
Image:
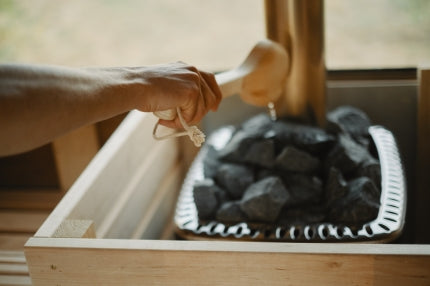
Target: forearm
<point>39,103</point>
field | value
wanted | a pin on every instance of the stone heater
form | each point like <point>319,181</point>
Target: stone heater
<point>283,181</point>
<point>115,225</point>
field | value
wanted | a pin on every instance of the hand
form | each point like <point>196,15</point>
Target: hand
<point>180,85</point>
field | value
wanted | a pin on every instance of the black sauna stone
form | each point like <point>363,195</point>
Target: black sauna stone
<point>289,173</point>
<point>263,173</point>
<point>211,162</point>
<point>312,139</point>
<point>360,205</point>
<point>281,131</point>
<point>264,199</point>
<point>206,197</point>
<point>364,186</point>
<point>236,149</point>
<point>336,187</point>
<point>222,196</point>
<point>261,153</point>
<point>234,178</point>
<point>303,189</point>
<point>294,160</point>
<point>347,155</point>
<point>301,215</point>
<point>308,138</point>
<point>257,125</point>
<point>370,168</point>
<point>350,120</point>
<point>249,133</point>
<point>230,212</point>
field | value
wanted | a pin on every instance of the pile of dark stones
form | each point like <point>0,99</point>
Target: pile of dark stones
<point>286,173</point>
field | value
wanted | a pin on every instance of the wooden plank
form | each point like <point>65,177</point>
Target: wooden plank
<point>75,229</point>
<point>96,191</point>
<point>299,27</point>
<point>218,263</point>
<point>14,280</point>
<point>73,152</point>
<point>137,195</point>
<point>401,270</point>
<point>168,232</point>
<point>423,158</point>
<point>34,199</point>
<point>21,221</point>
<point>14,241</point>
<point>12,257</point>
<point>161,208</point>
<point>13,269</point>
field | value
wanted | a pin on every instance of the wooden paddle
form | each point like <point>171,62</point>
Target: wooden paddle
<point>259,80</point>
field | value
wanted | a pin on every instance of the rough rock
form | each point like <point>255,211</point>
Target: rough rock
<point>291,173</point>
<point>305,137</point>
<point>350,120</point>
<point>234,178</point>
<point>336,187</point>
<point>206,197</point>
<point>211,162</point>
<point>236,149</point>
<point>263,173</point>
<point>312,139</point>
<point>261,153</point>
<point>301,215</point>
<point>257,125</point>
<point>230,212</point>
<point>360,205</point>
<point>370,168</point>
<point>294,160</point>
<point>347,155</point>
<point>264,200</point>
<point>303,189</point>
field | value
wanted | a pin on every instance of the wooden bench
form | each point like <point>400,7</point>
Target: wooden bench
<point>123,204</point>
<point>16,227</point>
<point>13,268</point>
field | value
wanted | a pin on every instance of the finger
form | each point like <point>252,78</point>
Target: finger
<point>215,91</point>
<point>210,97</point>
<point>174,124</point>
<point>168,114</point>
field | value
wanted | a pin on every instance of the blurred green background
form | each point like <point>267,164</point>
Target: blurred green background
<point>213,35</point>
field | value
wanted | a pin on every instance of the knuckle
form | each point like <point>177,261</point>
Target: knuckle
<point>195,78</point>
<point>192,69</point>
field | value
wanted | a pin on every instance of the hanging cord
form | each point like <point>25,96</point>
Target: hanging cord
<point>195,134</point>
<point>272,111</point>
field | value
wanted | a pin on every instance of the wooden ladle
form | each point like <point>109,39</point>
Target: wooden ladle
<point>258,80</point>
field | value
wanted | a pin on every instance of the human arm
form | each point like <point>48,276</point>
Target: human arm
<point>39,103</point>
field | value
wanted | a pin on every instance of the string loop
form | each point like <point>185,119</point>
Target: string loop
<point>195,134</point>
